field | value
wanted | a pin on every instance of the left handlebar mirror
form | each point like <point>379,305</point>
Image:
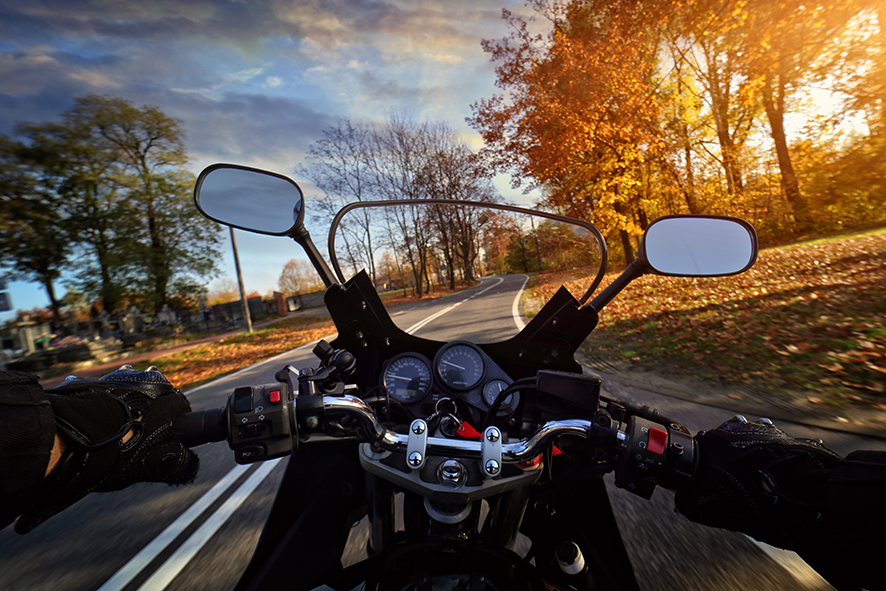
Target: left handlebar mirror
<point>250,199</point>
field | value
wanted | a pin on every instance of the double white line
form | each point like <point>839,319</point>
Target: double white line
<point>188,550</point>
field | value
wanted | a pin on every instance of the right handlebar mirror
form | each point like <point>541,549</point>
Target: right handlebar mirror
<point>698,246</point>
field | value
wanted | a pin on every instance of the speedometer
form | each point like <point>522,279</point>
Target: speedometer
<point>460,366</point>
<point>407,377</point>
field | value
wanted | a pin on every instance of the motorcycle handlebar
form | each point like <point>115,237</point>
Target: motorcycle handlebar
<point>201,427</point>
<point>518,451</point>
<point>646,454</point>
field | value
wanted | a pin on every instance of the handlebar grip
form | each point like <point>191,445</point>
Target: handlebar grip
<point>202,426</point>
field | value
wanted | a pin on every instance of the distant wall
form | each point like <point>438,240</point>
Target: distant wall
<point>305,300</point>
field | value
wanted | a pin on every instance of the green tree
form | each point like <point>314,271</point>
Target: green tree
<point>98,219</point>
<point>35,242</point>
<point>174,244</point>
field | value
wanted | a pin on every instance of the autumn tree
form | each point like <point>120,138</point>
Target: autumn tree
<point>579,113</point>
<point>298,276</point>
<point>780,45</point>
<point>222,291</point>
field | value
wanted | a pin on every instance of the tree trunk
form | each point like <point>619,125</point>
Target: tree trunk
<point>46,280</point>
<point>450,266</point>
<point>730,166</point>
<point>773,102</point>
<point>689,192</point>
<point>718,77</point>
<point>881,22</point>
<point>626,245</point>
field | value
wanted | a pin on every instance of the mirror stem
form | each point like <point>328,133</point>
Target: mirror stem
<point>303,238</point>
<point>634,270</point>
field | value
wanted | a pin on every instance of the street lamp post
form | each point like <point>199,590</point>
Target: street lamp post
<point>240,283</point>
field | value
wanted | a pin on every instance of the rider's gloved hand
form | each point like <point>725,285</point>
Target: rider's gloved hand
<point>754,478</point>
<point>117,432</point>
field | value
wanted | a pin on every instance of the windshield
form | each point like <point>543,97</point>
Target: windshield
<point>492,261</point>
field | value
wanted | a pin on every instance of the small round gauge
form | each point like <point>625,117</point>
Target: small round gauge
<point>491,391</point>
<point>460,366</point>
<point>407,377</point>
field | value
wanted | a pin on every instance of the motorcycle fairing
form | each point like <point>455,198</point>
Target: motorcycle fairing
<point>364,328</point>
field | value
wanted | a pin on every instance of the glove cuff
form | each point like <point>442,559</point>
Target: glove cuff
<point>77,474</point>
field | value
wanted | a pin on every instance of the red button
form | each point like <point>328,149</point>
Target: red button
<point>274,396</point>
<point>658,439</point>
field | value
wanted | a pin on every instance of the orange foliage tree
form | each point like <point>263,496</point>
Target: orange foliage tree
<point>580,111</point>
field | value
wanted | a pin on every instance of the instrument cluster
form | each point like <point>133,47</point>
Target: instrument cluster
<point>460,369</point>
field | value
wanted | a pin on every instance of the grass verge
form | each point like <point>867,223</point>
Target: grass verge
<point>206,362</point>
<point>808,317</point>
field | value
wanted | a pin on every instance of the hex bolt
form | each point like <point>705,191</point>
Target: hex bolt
<point>414,459</point>
<point>492,467</point>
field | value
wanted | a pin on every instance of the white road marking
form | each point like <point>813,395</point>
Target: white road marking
<point>515,307</point>
<point>793,564</point>
<point>129,571</point>
<point>132,568</point>
<point>412,329</point>
<point>186,552</point>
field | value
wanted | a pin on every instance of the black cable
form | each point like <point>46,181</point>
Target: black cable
<point>520,384</point>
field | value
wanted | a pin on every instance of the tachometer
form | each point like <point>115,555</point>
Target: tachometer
<point>493,389</point>
<point>460,366</point>
<point>407,377</point>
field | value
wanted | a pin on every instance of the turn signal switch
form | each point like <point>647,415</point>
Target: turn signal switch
<point>260,423</point>
<point>652,454</point>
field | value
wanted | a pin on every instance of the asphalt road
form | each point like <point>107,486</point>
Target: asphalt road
<point>200,537</point>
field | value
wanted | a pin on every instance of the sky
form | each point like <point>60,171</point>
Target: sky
<point>255,82</point>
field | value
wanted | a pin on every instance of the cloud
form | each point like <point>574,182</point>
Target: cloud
<point>248,128</point>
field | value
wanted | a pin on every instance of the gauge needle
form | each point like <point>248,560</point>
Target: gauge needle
<point>453,365</point>
<point>399,377</point>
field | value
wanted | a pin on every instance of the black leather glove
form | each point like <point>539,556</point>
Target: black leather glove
<point>94,417</point>
<point>755,478</point>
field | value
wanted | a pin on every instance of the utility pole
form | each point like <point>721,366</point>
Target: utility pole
<point>240,283</point>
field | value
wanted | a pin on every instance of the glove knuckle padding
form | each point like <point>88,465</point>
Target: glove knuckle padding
<point>755,478</point>
<point>96,415</point>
